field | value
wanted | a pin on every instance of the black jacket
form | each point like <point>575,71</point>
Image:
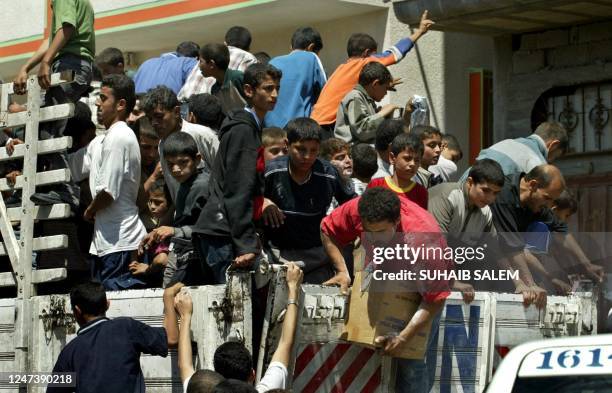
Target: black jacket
<point>236,184</point>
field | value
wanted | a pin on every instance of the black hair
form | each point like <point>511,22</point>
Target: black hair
<point>386,132</point>
<point>331,146</point>
<point>110,56</point>
<point>238,36</point>
<point>452,144</point>
<point>180,143</point>
<point>379,204</point>
<point>90,297</point>
<point>262,57</point>
<point>159,96</point>
<point>542,174</point>
<point>407,141</point>
<point>423,132</point>
<point>160,185</point>
<point>256,73</point>
<point>358,43</point>
<point>566,201</point>
<point>80,122</point>
<point>487,171</point>
<point>233,360</point>
<point>123,89</point>
<point>207,110</point>
<point>550,131</point>
<point>305,36</point>
<point>188,49</point>
<point>145,129</point>
<point>217,53</point>
<point>303,129</point>
<point>204,381</point>
<point>234,386</point>
<point>365,161</point>
<point>374,71</point>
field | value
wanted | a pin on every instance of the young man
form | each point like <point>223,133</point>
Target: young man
<point>232,359</point>
<point>299,189</point>
<point>214,63</point>
<point>431,137</point>
<point>451,154</point>
<point>361,50</point>
<point>238,40</point>
<point>225,233</point>
<point>358,116</point>
<point>114,180</point>
<point>406,153</point>
<point>364,166</point>
<point>182,157</point>
<point>274,141</point>
<point>105,354</point>
<point>163,110</point>
<point>385,133</point>
<point>205,110</point>
<point>303,78</point>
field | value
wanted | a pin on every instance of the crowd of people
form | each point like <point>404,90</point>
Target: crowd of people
<point>210,159</point>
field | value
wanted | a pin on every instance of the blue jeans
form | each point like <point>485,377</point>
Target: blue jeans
<point>214,252</point>
<point>112,272</point>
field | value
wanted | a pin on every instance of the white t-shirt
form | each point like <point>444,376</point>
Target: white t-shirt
<point>275,378</point>
<point>208,144</point>
<point>445,168</point>
<point>115,168</point>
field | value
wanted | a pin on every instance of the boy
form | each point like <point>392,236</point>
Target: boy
<point>114,180</point>
<point>238,40</point>
<point>361,50</point>
<point>182,157</point>
<point>364,166</point>
<point>205,110</point>
<point>163,110</point>
<point>431,137</point>
<point>385,133</point>
<point>338,152</point>
<point>225,233</point>
<point>214,62</point>
<point>406,153</point>
<point>105,354</point>
<point>150,169</point>
<point>274,142</point>
<point>451,154</point>
<point>303,78</point>
<point>110,61</point>
<point>358,116</point>
<point>299,188</point>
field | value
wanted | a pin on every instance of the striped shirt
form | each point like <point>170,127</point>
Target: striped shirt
<point>240,59</point>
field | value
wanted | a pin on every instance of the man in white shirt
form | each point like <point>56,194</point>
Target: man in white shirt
<point>114,180</point>
<point>163,110</point>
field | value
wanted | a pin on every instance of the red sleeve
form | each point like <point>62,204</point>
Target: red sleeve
<point>343,224</point>
<point>435,290</point>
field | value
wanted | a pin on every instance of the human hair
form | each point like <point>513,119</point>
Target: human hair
<point>303,129</point>
<point>159,96</point>
<point>80,122</point>
<point>233,360</point>
<point>188,49</point>
<point>90,297</point>
<point>262,57</point>
<point>365,161</point>
<point>542,174</point>
<point>145,129</point>
<point>207,110</point>
<point>238,36</point>
<point>374,71</point>
<point>407,142</point>
<point>204,381</point>
<point>452,144</point>
<point>360,42</point>
<point>180,144</point>
<point>386,132</point>
<point>423,132</point>
<point>379,204</point>
<point>331,146</point>
<point>160,186</point>
<point>217,53</point>
<point>304,36</point>
<point>234,386</point>
<point>550,131</point>
<point>110,56</point>
<point>123,89</point>
<point>487,171</point>
<point>272,135</point>
<point>566,201</point>
<point>256,73</point>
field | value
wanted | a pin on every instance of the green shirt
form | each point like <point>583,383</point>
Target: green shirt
<point>79,14</point>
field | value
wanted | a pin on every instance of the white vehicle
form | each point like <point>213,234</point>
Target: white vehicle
<point>562,365</point>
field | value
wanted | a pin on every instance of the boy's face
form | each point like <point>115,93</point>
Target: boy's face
<point>135,114</point>
<point>276,149</point>
<point>379,90</point>
<point>108,106</point>
<point>379,233</point>
<point>149,154</point>
<point>263,97</point>
<point>158,205</point>
<point>432,149</point>
<point>481,194</point>
<point>302,154</point>
<point>164,121</point>
<point>452,155</point>
<point>562,214</point>
<point>206,67</point>
<point>343,162</point>
<point>182,167</point>
<point>406,164</point>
